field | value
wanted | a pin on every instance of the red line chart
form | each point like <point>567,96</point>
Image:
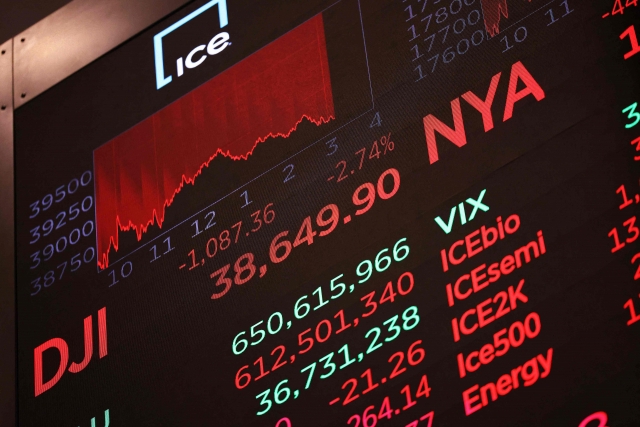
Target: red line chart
<point>262,98</point>
<point>493,9</point>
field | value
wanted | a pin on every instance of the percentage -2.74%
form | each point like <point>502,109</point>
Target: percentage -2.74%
<point>374,153</point>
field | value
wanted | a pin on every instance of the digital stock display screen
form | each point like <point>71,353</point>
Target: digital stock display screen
<point>393,213</point>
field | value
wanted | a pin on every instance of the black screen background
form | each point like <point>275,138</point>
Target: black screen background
<point>556,164</point>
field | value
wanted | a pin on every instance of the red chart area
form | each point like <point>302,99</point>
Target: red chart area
<point>263,97</point>
<point>493,9</point>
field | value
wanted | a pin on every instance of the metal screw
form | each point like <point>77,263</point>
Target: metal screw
<point>23,95</point>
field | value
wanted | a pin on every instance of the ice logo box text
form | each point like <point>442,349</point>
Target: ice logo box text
<point>197,55</point>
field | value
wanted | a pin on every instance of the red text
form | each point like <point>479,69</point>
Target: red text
<point>530,372</point>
